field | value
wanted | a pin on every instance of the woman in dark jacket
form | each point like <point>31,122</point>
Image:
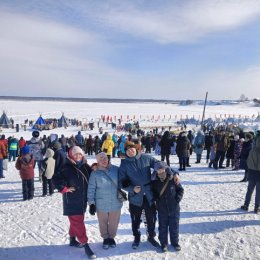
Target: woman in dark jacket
<point>72,182</point>
<point>166,143</point>
<point>183,150</point>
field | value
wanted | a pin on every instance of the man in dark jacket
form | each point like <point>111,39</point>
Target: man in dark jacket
<point>135,169</point>
<point>166,144</point>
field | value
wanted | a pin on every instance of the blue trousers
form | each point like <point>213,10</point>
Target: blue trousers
<point>1,168</point>
<point>169,224</point>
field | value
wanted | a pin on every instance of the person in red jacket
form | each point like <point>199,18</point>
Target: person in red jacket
<point>22,143</point>
<point>25,165</point>
<point>2,157</point>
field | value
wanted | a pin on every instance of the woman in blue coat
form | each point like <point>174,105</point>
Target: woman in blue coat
<point>102,197</point>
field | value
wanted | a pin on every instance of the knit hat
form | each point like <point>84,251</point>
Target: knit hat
<point>26,149</point>
<point>129,144</point>
<point>76,149</point>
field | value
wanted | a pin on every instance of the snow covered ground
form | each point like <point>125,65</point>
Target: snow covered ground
<point>211,227</point>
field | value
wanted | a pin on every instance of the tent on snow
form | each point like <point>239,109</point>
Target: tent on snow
<point>39,124</point>
<point>63,122</point>
<point>4,121</point>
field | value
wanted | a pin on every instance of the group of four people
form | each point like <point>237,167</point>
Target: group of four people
<point>146,191</point>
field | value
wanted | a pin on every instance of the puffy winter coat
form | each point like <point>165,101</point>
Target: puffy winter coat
<point>3,152</point>
<point>246,148</point>
<point>74,203</point>
<point>108,145</point>
<point>166,143</point>
<point>199,143</point>
<point>183,146</point>
<point>48,164</point>
<point>25,165</point>
<point>253,162</point>
<point>102,192</point>
<point>137,172</point>
<point>169,201</point>
<point>36,146</point>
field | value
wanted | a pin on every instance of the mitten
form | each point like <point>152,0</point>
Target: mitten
<point>92,209</point>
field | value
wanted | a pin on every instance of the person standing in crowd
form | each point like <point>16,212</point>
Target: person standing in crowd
<point>25,165</point>
<point>191,139</point>
<point>36,147</point>
<point>237,152</point>
<point>22,143</point>
<point>167,195</point>
<point>208,144</point>
<point>135,177</point>
<point>59,157</point>
<point>199,143</point>
<point>72,182</point>
<point>47,167</point>
<point>3,155</point>
<point>79,140</point>
<point>107,146</point>
<point>246,148</point>
<point>183,150</point>
<point>13,149</point>
<point>221,143</point>
<point>102,198</point>
<point>166,144</point>
<point>230,152</point>
<point>253,163</point>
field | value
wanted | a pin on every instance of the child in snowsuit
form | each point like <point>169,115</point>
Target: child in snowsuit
<point>167,195</point>
<point>25,164</point>
<point>47,171</point>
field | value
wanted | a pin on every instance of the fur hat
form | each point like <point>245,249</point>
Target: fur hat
<point>160,165</point>
<point>76,149</point>
<point>129,144</point>
<point>26,149</point>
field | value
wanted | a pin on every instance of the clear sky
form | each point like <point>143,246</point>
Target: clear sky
<point>165,49</point>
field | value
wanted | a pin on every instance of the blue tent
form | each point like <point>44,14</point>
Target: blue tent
<point>63,122</point>
<point>39,124</point>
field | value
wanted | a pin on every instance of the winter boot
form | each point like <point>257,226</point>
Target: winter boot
<point>106,243</point>
<point>112,242</point>
<point>164,248</point>
<point>136,242</point>
<point>244,207</point>
<point>75,243</point>
<point>153,241</point>
<point>177,247</point>
<point>89,252</point>
<point>257,210</point>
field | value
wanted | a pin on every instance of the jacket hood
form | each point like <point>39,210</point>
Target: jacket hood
<point>49,153</point>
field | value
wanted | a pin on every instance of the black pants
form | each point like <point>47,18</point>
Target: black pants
<point>45,184</point>
<point>219,159</point>
<point>167,156</point>
<point>150,213</point>
<point>28,189</point>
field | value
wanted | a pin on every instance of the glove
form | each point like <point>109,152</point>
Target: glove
<point>92,209</point>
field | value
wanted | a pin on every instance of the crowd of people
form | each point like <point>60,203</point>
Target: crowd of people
<point>62,165</point>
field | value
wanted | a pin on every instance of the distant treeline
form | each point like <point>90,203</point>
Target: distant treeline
<point>105,100</point>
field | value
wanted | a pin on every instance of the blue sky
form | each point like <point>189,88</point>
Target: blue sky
<point>130,49</point>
